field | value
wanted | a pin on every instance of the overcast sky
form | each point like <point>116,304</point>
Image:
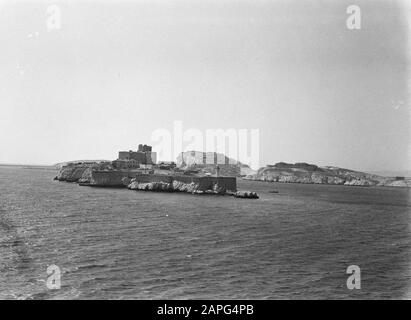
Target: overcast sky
<point>116,71</point>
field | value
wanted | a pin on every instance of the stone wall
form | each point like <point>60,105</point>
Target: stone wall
<point>139,156</point>
<point>110,178</point>
<point>228,183</point>
<point>116,179</point>
<point>204,183</point>
<point>147,178</point>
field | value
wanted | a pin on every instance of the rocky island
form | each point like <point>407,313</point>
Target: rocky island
<point>310,173</point>
<point>138,170</point>
<point>206,173</point>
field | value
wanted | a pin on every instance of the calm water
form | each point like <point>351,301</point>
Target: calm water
<point>121,244</point>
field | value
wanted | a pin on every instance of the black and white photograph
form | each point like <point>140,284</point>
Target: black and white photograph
<point>210,150</point>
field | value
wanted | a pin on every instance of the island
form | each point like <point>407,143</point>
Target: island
<point>198,172</point>
<point>309,173</point>
<point>139,170</point>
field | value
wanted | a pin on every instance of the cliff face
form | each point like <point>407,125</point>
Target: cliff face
<point>309,173</point>
<point>80,172</point>
<point>71,173</point>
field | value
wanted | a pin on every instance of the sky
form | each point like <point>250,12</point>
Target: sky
<point>114,72</point>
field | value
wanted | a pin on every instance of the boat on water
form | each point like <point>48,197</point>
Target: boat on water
<point>246,195</point>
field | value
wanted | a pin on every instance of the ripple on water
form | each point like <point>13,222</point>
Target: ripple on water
<point>120,244</point>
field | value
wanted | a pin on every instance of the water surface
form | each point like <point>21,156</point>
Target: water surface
<point>122,244</point>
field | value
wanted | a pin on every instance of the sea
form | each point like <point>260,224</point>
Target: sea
<point>108,243</point>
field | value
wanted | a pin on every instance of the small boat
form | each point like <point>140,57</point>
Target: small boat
<point>273,191</point>
<point>246,195</point>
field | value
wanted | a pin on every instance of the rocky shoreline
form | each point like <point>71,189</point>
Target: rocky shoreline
<point>98,175</point>
<point>311,174</point>
<point>193,174</point>
<point>175,186</point>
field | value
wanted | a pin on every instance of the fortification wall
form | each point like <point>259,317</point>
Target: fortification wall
<point>110,178</point>
<point>147,178</point>
<point>228,183</point>
<point>115,179</point>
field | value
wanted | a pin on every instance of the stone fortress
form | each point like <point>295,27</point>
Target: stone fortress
<point>139,170</point>
<point>135,159</point>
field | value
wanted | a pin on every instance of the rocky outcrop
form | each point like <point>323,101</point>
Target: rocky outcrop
<point>185,187</point>
<point>71,173</point>
<point>360,182</point>
<point>150,186</point>
<point>174,186</point>
<point>86,176</point>
<point>309,173</point>
<point>81,172</point>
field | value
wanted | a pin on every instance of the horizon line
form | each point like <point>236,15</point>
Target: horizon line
<point>53,165</point>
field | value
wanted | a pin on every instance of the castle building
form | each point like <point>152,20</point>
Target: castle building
<point>143,155</point>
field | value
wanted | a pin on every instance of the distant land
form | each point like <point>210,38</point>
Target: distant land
<point>309,173</point>
<point>29,166</point>
<point>392,173</point>
<point>62,164</point>
<point>280,172</point>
